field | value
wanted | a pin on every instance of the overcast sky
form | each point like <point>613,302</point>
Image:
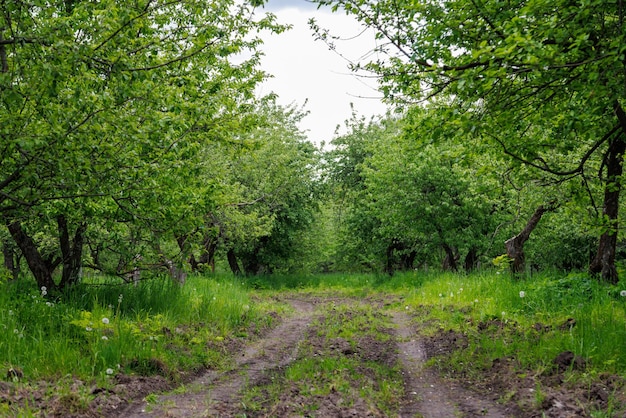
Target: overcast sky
<point>304,68</point>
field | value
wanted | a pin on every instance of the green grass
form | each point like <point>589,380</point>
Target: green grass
<point>460,302</point>
<point>157,327</point>
<point>548,300</point>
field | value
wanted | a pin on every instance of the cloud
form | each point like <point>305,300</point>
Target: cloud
<point>306,69</point>
<point>274,5</point>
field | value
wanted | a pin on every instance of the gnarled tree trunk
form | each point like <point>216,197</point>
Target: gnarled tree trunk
<point>451,259</point>
<point>604,260</point>
<point>11,258</point>
<point>232,262</point>
<point>41,269</point>
<point>471,260</point>
<point>515,246</point>
<point>71,251</point>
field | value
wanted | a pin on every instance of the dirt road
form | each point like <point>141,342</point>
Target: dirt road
<point>424,394</point>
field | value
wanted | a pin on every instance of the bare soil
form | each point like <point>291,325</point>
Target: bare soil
<point>500,391</point>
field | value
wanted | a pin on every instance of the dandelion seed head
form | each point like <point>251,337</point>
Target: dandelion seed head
<point>522,294</point>
<point>105,321</point>
<point>109,371</point>
<point>105,338</point>
<point>88,329</point>
<point>623,293</point>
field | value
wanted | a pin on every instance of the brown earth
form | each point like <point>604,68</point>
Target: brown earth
<point>500,391</point>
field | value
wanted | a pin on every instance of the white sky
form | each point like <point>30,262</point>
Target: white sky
<point>304,68</point>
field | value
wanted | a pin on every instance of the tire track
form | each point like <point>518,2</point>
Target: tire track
<point>427,395</point>
<point>217,395</point>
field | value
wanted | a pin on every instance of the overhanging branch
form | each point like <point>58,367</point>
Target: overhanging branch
<point>544,166</point>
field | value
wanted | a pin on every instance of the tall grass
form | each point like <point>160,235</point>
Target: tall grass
<point>544,315</point>
<point>98,328</point>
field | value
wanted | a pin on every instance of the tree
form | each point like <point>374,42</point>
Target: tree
<point>438,195</point>
<point>103,106</point>
<point>535,76</point>
<point>279,190</point>
<point>357,229</point>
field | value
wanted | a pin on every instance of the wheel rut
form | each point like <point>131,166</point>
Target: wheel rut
<point>426,394</point>
<point>217,394</point>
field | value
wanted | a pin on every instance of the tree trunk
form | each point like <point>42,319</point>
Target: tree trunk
<point>232,262</point>
<point>71,252</point>
<point>515,246</point>
<point>208,255</point>
<point>408,260</point>
<point>389,264</point>
<point>41,270</point>
<point>604,260</point>
<point>471,260</point>
<point>403,262</point>
<point>11,259</point>
<point>450,260</point>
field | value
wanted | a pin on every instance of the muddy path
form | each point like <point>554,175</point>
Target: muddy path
<point>222,395</point>
<point>426,394</point>
<point>217,395</point>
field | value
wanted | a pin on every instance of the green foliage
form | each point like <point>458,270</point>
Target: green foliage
<point>108,111</point>
<point>405,190</point>
<point>502,262</point>
<point>541,82</point>
<point>354,224</point>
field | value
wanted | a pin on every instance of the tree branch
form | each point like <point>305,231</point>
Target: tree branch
<point>545,167</point>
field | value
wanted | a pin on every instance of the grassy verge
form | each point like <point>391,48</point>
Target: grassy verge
<point>101,328</point>
<point>545,315</point>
